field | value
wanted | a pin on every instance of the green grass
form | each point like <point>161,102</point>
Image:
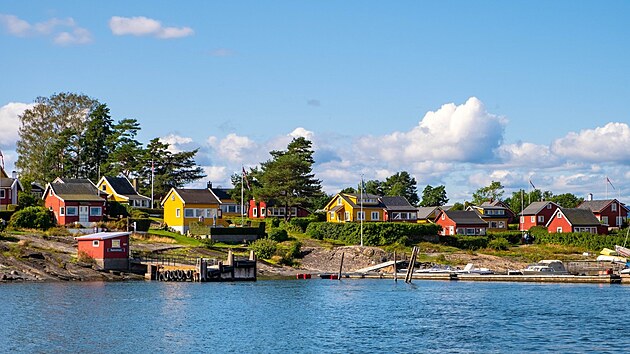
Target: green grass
<point>180,239</point>
<point>536,252</point>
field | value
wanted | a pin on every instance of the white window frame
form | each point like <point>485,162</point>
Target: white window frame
<point>605,219</point>
<point>189,213</point>
<point>619,220</point>
<point>99,211</point>
<point>255,212</point>
<point>559,229</point>
<point>613,207</point>
<point>548,206</point>
<point>378,216</point>
<point>541,218</point>
<point>116,243</point>
<point>347,216</point>
<point>501,224</point>
<point>332,215</point>
<point>2,194</point>
<point>262,211</point>
<point>62,211</point>
<point>522,219</point>
<point>532,219</point>
<point>559,216</point>
<point>72,211</point>
<point>178,213</point>
<point>361,215</point>
<point>95,243</point>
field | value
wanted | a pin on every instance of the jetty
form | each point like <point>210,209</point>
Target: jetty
<point>185,269</point>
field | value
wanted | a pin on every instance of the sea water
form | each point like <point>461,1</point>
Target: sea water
<point>313,316</point>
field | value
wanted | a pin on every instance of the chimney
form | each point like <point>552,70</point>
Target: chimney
<point>209,184</point>
<point>14,174</point>
<point>589,197</point>
<point>134,183</point>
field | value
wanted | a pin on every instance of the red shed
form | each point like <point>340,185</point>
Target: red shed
<point>110,250</point>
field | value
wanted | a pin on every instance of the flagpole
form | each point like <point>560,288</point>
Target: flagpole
<point>606,183</point>
<point>152,178</point>
<point>362,215</point>
<point>242,194</point>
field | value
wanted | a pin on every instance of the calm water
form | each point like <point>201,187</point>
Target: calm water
<point>356,316</point>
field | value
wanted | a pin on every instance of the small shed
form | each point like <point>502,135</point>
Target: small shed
<point>110,250</point>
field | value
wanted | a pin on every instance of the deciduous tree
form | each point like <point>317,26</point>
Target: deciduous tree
<point>434,196</point>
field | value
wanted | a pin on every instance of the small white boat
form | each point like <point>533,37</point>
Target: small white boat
<point>545,267</point>
<point>622,251</point>
<point>436,269</point>
<point>470,269</point>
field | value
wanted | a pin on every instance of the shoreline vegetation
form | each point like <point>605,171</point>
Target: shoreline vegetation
<point>34,255</point>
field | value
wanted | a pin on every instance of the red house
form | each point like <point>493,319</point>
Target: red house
<point>575,220</point>
<point>75,201</point>
<point>461,222</point>
<point>110,250</point>
<point>9,189</point>
<point>610,212</point>
<point>537,214</point>
<point>261,210</point>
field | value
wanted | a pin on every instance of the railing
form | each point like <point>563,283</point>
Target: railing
<point>166,259</point>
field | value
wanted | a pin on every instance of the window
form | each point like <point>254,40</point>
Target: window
<point>605,219</point>
<point>360,215</point>
<point>189,213</point>
<point>262,212</point>
<point>96,211</point>
<point>548,206</point>
<point>375,215</point>
<point>116,243</point>
<point>255,212</point>
<point>173,197</point>
<point>501,224</point>
<point>493,224</point>
<point>613,207</point>
<point>177,213</point>
<point>2,193</point>
<point>332,215</point>
<point>104,187</point>
<point>347,216</point>
<point>443,216</point>
<point>619,220</point>
<point>71,211</point>
<point>559,216</point>
<point>62,211</point>
<point>533,219</point>
<point>470,231</point>
<point>460,231</point>
<point>95,243</point>
<point>522,219</point>
<point>338,201</point>
<point>541,218</point>
<point>559,230</point>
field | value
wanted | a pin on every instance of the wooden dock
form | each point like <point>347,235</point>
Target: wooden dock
<point>598,279</point>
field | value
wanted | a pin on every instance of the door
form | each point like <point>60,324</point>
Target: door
<point>83,213</point>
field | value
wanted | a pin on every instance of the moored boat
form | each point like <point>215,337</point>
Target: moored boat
<point>545,267</point>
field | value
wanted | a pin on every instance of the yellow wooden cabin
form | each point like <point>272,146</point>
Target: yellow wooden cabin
<point>185,206</point>
<point>119,189</point>
<point>346,207</point>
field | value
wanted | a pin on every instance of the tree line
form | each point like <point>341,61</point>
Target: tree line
<point>72,135</point>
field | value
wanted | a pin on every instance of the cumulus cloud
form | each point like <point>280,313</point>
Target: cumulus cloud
<point>10,122</point>
<point>62,31</point>
<point>602,144</point>
<point>464,133</point>
<point>143,26</point>
<point>233,147</point>
<point>177,143</point>
<point>527,154</point>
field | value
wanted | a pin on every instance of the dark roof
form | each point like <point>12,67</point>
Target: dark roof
<point>73,180</point>
<point>580,217</point>
<point>121,185</point>
<point>6,182</point>
<point>397,203</point>
<point>596,205</point>
<point>468,217</point>
<point>197,196</point>
<point>36,186</point>
<point>77,191</point>
<point>222,193</point>
<point>535,207</point>
<point>425,212</point>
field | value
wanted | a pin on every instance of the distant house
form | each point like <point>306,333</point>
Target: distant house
<point>9,189</point>
<point>229,207</point>
<point>575,220</point>
<point>185,206</point>
<point>508,211</point>
<point>75,201</point>
<point>119,189</point>
<point>262,210</point>
<point>610,211</point>
<point>497,217</point>
<point>37,190</point>
<point>110,250</point>
<point>461,222</point>
<point>537,214</point>
<point>351,207</point>
<point>398,209</point>
<point>427,214</point>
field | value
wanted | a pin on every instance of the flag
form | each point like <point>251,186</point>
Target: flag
<point>152,167</point>
<point>608,180</point>
<point>245,179</point>
<point>533,186</point>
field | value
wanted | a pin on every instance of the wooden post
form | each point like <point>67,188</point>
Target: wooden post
<point>340,266</point>
<point>412,263</point>
<point>395,268</point>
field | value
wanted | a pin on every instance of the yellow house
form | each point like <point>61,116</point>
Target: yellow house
<point>496,216</point>
<point>119,189</point>
<point>346,207</point>
<point>184,206</point>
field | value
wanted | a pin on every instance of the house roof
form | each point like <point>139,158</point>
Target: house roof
<point>596,205</point>
<point>102,236</point>
<point>579,217</point>
<point>425,212</point>
<point>76,191</point>
<point>6,182</point>
<point>121,185</point>
<point>535,208</point>
<point>397,203</point>
<point>71,180</point>
<point>197,196</point>
<point>222,193</point>
<point>347,196</point>
<point>468,217</point>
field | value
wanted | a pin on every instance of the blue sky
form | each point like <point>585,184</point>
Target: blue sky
<point>518,90</point>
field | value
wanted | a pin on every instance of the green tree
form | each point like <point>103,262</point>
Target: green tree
<point>402,184</point>
<point>48,146</point>
<point>248,188</point>
<point>348,190</point>
<point>458,206</point>
<point>287,179</point>
<point>95,143</point>
<point>566,200</point>
<point>372,187</point>
<point>434,196</point>
<point>489,193</point>
<point>125,152</point>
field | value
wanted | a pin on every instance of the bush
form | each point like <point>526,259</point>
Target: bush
<point>264,248</point>
<point>465,242</point>
<point>499,244</point>
<point>513,237</point>
<point>58,231</point>
<point>141,224</point>
<point>26,199</point>
<point>374,234</point>
<point>116,210</point>
<point>278,235</point>
<point>32,217</point>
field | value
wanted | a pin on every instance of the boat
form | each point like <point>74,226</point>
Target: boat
<point>470,269</point>
<point>625,271</point>
<point>545,267</point>
<point>436,269</point>
<point>622,251</point>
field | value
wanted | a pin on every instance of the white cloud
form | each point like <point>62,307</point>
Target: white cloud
<point>217,174</point>
<point>464,133</point>
<point>63,31</point>
<point>300,132</point>
<point>526,154</point>
<point>143,26</point>
<point>602,144</point>
<point>10,122</point>
<point>234,148</point>
<point>177,143</point>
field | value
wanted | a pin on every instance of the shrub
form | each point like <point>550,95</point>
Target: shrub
<point>141,224</point>
<point>513,237</point>
<point>58,231</point>
<point>26,199</point>
<point>499,244</point>
<point>278,235</point>
<point>32,217</point>
<point>374,234</point>
<point>295,250</point>
<point>264,248</point>
<point>116,210</point>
